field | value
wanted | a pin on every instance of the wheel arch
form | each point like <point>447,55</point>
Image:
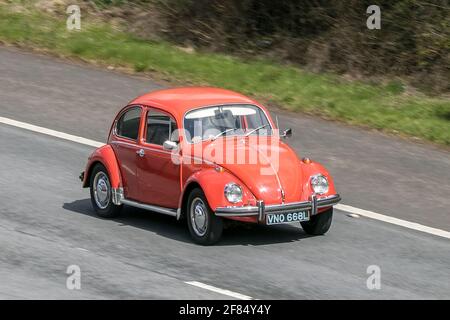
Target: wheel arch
<point>88,172</point>
<point>212,183</point>
<point>105,156</point>
<point>185,196</point>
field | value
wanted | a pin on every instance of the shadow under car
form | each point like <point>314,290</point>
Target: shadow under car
<point>235,233</point>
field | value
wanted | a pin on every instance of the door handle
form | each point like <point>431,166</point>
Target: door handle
<point>140,153</point>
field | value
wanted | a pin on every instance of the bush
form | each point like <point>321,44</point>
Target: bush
<point>414,39</point>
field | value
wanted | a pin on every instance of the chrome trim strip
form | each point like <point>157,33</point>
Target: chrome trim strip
<point>167,211</point>
<point>247,211</point>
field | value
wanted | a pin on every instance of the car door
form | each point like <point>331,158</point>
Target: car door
<point>158,173</point>
<point>125,145</point>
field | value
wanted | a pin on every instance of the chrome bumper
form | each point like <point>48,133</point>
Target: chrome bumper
<point>260,209</point>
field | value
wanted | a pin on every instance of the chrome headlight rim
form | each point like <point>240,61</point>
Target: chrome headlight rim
<point>233,192</point>
<point>319,184</point>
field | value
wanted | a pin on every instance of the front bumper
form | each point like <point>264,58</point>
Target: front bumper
<point>314,204</point>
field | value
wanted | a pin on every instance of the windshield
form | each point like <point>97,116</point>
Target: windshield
<point>214,122</point>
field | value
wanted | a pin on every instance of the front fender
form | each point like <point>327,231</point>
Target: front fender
<point>106,156</point>
<point>212,182</point>
<point>313,168</point>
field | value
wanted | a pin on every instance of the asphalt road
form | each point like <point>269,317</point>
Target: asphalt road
<point>47,224</point>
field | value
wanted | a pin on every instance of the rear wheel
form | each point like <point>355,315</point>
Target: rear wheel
<point>205,227</point>
<point>101,193</point>
<point>319,224</point>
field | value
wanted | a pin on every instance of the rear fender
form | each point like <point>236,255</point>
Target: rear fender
<point>106,156</point>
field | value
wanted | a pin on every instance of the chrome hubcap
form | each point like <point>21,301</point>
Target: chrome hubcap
<point>199,217</point>
<point>102,190</point>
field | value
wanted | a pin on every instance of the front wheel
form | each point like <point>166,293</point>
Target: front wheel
<point>205,227</point>
<point>101,193</point>
<point>319,224</point>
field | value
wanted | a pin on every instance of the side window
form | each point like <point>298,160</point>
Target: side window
<point>128,124</point>
<point>160,127</point>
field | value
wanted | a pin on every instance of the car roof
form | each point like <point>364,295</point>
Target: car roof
<point>180,100</point>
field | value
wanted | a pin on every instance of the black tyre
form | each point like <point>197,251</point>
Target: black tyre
<point>101,196</point>
<point>205,227</point>
<point>319,224</point>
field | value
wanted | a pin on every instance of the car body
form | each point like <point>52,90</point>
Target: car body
<point>161,156</point>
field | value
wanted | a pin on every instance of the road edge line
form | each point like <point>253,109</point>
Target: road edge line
<point>392,220</point>
<point>218,290</point>
<point>51,132</point>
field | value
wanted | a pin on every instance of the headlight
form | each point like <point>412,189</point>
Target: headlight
<point>233,192</point>
<point>319,184</point>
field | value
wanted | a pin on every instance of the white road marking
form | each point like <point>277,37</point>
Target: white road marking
<point>342,207</point>
<point>392,220</point>
<point>218,290</point>
<point>50,132</point>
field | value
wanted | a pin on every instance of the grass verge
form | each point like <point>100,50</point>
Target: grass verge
<point>385,107</point>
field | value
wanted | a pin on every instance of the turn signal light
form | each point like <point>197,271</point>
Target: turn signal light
<point>306,160</point>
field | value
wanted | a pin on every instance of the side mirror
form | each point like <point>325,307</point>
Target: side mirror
<point>287,133</point>
<point>169,145</point>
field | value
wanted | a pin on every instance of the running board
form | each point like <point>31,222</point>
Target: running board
<point>167,211</point>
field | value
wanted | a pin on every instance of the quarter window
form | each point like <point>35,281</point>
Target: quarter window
<point>128,124</point>
<point>160,127</point>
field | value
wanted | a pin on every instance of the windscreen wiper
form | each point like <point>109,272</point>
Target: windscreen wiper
<point>222,133</point>
<point>256,129</point>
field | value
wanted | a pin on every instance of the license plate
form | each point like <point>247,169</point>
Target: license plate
<point>278,218</point>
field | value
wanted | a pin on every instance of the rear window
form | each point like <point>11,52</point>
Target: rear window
<point>128,124</point>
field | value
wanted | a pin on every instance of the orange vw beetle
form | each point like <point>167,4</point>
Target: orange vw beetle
<point>207,154</point>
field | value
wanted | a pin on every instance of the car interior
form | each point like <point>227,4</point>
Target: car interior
<point>128,124</point>
<point>159,129</point>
